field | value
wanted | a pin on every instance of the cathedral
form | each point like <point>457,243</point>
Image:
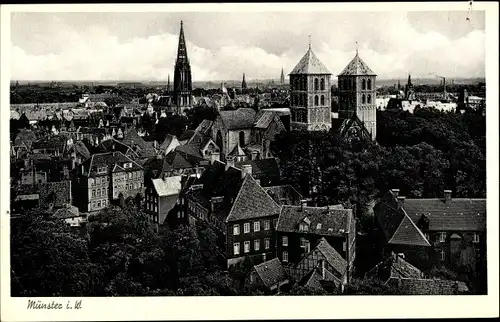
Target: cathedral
<point>310,101</point>
<point>310,97</point>
<point>183,88</point>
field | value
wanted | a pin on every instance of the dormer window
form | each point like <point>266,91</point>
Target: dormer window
<point>101,169</point>
<point>303,227</point>
<point>127,165</point>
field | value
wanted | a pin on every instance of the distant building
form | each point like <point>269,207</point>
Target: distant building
<point>310,101</point>
<point>243,82</point>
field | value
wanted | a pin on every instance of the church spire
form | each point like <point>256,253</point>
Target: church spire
<point>168,83</point>
<point>243,82</point>
<point>181,49</point>
<point>282,76</point>
<point>182,74</point>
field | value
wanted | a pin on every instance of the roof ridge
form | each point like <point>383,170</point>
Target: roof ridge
<point>237,196</point>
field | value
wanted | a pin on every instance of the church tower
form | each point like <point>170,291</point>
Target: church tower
<point>357,94</point>
<point>182,75</point>
<point>409,91</point>
<point>310,95</point>
<point>243,82</point>
<point>282,79</point>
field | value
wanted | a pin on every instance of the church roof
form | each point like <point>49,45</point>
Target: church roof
<point>357,67</point>
<point>310,64</point>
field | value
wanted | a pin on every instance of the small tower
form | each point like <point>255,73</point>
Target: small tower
<point>310,95</point>
<point>282,79</point>
<point>357,93</point>
<point>409,91</point>
<point>243,82</point>
<point>168,84</point>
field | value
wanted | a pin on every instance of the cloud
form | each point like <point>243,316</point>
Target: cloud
<point>225,45</point>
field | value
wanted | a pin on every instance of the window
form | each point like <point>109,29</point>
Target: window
<point>267,243</point>
<point>242,138</point>
<point>275,222</point>
<point>285,241</point>
<point>363,84</point>
<point>303,242</point>
<point>246,228</point>
<point>236,248</point>
<point>316,87</point>
<point>303,227</point>
<point>443,255</point>
<point>476,238</point>
<point>322,100</point>
<point>369,99</point>
<point>369,84</point>
<point>256,226</point>
<point>130,175</point>
<point>256,244</point>
<point>322,84</point>
<point>285,257</point>
<point>93,192</point>
<point>442,237</point>
<point>316,100</point>
<point>267,225</point>
<point>246,246</point>
<point>236,229</point>
<point>363,99</point>
<point>99,204</point>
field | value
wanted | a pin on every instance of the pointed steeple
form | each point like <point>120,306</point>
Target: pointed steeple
<point>181,49</point>
<point>409,80</point>
<point>168,83</point>
<point>282,76</point>
<point>399,85</point>
<point>243,82</point>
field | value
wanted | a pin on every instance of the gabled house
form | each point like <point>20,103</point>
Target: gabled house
<point>299,227</point>
<point>238,209</point>
<point>269,275</point>
<point>438,231</point>
<point>161,197</point>
<point>169,144</point>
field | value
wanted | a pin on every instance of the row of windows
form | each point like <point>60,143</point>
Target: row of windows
<point>256,227</point>
<point>152,207</point>
<point>99,192</point>
<point>246,246</point>
<point>299,115</point>
<point>99,204</point>
<point>350,84</point>
<point>442,237</point>
<point>99,181</point>
<point>303,242</point>
<point>300,83</point>
<point>131,186</point>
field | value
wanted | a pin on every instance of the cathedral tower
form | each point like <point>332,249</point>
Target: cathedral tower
<point>182,75</point>
<point>243,82</point>
<point>357,94</point>
<point>310,95</point>
<point>282,79</point>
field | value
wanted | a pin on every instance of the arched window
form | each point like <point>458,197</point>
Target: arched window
<point>322,84</point>
<point>303,83</point>
<point>316,84</point>
<point>369,99</point>
<point>242,138</point>
<point>322,100</point>
<point>363,84</point>
<point>316,100</point>
<point>369,84</point>
<point>363,99</point>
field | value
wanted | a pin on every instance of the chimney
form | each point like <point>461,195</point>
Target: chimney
<point>246,169</point>
<point>303,203</point>
<point>395,192</point>
<point>83,169</point>
<point>447,195</point>
<point>401,201</point>
<point>214,156</point>
<point>229,162</point>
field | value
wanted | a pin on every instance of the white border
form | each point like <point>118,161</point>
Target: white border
<point>184,308</point>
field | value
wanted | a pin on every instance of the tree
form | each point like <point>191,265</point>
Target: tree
<point>48,259</point>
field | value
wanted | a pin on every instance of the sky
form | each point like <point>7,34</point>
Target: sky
<point>224,45</point>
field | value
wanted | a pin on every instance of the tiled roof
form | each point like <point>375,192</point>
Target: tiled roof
<point>310,64</point>
<point>109,159</point>
<point>408,233</point>
<point>14,115</point>
<point>315,277</point>
<point>395,266</point>
<point>175,161</point>
<point>413,286</point>
<point>264,118</point>
<point>68,211</point>
<point>168,140</point>
<point>334,222</point>
<point>271,272</point>
<point>186,135</point>
<point>242,118</point>
<point>137,144</point>
<point>332,256</point>
<point>168,186</point>
<point>51,142</point>
<point>455,214</point>
<point>284,194</point>
<point>357,67</point>
<point>252,202</point>
<point>25,136</point>
<point>190,149</point>
<point>263,169</point>
<point>204,126</point>
<point>80,148</point>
